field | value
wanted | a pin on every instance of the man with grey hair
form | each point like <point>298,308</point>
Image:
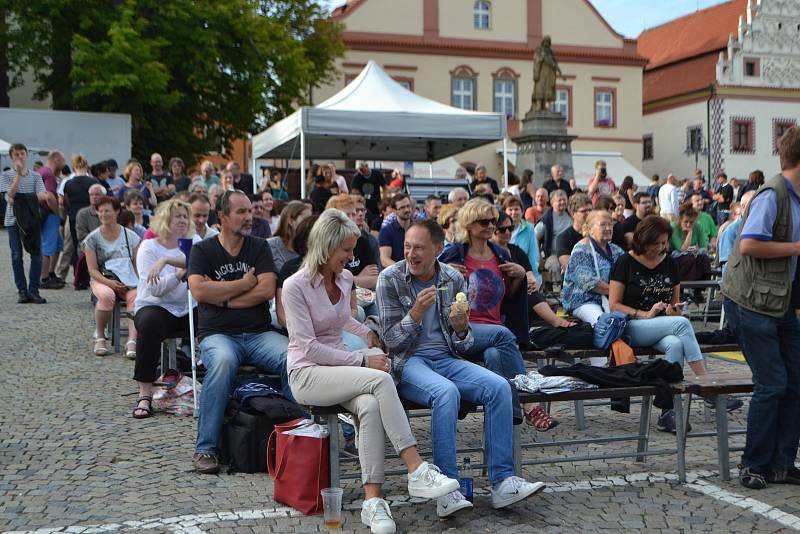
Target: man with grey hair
<point>557,181</point>
<point>481,177</point>
<point>232,277</point>
<point>370,184</point>
<point>458,197</point>
<point>668,198</point>
<point>87,220</point>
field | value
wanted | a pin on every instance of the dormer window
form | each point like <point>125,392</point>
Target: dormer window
<point>482,15</point>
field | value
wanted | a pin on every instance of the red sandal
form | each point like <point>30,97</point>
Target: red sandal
<point>539,419</point>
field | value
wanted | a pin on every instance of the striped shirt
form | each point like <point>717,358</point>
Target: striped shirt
<point>30,183</point>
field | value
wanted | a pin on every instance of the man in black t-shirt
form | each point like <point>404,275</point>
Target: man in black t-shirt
<point>482,178</point>
<point>232,276</point>
<point>557,181</point>
<point>642,206</point>
<point>579,207</point>
<point>370,183</point>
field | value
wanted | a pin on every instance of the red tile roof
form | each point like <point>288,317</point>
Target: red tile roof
<point>679,78</point>
<point>695,34</point>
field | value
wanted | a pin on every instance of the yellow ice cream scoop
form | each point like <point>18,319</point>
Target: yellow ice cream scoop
<point>461,297</point>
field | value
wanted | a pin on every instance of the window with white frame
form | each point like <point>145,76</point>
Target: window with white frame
<point>604,108</point>
<point>561,105</point>
<point>504,95</point>
<point>463,93</point>
<point>482,15</point>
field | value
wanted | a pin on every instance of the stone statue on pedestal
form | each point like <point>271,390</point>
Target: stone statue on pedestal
<point>545,71</point>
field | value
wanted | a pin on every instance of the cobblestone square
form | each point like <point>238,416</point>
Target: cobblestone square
<point>72,459</point>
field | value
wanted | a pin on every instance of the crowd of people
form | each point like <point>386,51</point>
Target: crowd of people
<point>360,266</point>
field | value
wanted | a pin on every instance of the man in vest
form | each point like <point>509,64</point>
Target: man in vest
<point>759,280</point>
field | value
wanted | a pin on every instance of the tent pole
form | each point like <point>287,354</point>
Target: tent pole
<point>302,164</point>
<point>256,179</point>
<point>505,162</point>
<point>430,169</point>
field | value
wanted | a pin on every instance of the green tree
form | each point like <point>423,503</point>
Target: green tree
<point>192,73</point>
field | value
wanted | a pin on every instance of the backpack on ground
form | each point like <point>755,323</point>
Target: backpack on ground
<point>246,431</point>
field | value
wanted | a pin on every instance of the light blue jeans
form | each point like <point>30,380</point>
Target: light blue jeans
<point>222,355</point>
<point>497,347</point>
<point>441,384</point>
<point>672,335</point>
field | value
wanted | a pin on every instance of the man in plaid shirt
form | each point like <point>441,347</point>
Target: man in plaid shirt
<point>425,334</point>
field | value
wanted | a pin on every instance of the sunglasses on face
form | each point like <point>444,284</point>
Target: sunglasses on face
<point>504,229</point>
<point>486,222</point>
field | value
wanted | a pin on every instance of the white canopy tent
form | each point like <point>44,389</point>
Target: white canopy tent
<point>583,166</point>
<point>375,118</point>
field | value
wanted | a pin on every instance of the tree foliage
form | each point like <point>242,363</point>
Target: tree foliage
<point>193,74</point>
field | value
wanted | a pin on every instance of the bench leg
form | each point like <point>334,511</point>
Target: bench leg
<point>517,450</point>
<point>173,353</point>
<point>116,327</point>
<point>680,436</point>
<point>644,427</point>
<point>580,416</point>
<point>333,440</point>
<point>722,437</point>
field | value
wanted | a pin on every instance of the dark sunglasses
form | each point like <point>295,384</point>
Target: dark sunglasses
<point>487,222</point>
<point>504,229</point>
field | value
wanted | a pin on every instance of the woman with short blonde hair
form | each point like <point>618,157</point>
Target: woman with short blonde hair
<point>476,210</point>
<point>323,372</point>
<point>162,309</point>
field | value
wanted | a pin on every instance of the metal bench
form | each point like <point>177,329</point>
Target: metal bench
<point>717,386</point>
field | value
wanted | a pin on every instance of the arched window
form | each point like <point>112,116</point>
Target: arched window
<point>463,85</point>
<point>505,92</point>
<point>482,15</point>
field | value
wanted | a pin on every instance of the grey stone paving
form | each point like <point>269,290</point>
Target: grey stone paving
<point>72,456</point>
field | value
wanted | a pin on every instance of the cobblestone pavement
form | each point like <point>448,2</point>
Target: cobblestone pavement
<point>72,459</point>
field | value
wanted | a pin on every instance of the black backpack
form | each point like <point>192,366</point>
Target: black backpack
<point>246,431</point>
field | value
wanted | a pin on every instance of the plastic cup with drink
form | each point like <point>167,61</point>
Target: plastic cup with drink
<point>332,506</point>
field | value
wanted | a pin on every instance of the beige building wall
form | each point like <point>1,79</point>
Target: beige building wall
<point>387,16</point>
<point>507,23</point>
<point>668,129</point>
<point>572,22</point>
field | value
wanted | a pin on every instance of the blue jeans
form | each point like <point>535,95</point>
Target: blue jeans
<point>672,335</point>
<point>497,346</point>
<point>222,355</point>
<point>441,384</point>
<point>771,347</point>
<point>15,244</point>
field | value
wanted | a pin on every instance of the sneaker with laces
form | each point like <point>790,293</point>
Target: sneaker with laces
<point>376,515</point>
<point>514,489</point>
<point>451,503</point>
<point>667,423</point>
<point>428,482</point>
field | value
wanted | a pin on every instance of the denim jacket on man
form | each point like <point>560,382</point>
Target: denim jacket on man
<point>401,333</point>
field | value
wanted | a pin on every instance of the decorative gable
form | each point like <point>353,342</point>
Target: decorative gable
<point>766,50</point>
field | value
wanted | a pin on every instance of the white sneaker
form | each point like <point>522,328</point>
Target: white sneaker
<point>514,489</point>
<point>376,515</point>
<point>451,503</point>
<point>428,482</point>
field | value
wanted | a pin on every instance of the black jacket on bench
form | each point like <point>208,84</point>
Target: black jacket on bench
<point>657,373</point>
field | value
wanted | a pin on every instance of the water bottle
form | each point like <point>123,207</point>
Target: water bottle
<point>465,477</point>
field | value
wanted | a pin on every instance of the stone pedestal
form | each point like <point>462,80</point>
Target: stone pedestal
<point>543,142</point>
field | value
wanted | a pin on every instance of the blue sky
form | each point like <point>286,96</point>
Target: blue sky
<point>630,17</point>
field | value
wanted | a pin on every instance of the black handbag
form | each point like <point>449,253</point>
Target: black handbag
<point>579,336</point>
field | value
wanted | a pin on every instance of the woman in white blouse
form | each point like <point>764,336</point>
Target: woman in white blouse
<point>162,308</point>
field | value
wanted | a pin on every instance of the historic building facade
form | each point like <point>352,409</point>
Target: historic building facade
<point>720,87</point>
<point>479,55</point>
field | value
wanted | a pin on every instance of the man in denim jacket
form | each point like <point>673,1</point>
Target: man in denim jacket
<point>425,333</point>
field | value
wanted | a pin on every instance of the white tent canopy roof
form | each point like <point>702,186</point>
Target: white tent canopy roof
<point>376,118</point>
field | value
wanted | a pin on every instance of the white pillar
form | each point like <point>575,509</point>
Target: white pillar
<point>430,169</point>
<point>505,162</point>
<point>302,165</point>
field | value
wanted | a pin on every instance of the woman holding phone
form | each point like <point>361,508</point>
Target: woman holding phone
<point>645,285</point>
